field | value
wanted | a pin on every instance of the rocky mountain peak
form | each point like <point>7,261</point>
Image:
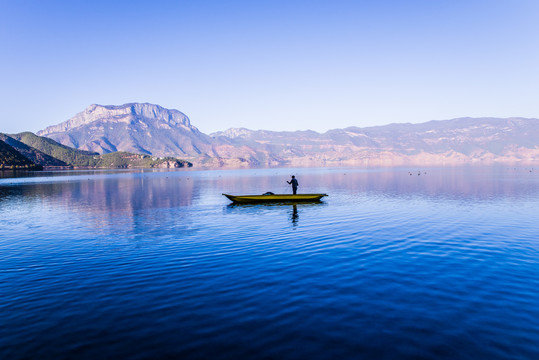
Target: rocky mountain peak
<point>126,113</point>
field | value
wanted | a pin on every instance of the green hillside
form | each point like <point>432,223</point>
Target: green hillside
<point>81,158</point>
<point>12,159</point>
<point>32,154</point>
<point>58,151</point>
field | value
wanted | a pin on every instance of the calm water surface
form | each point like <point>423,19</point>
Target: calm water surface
<point>154,264</point>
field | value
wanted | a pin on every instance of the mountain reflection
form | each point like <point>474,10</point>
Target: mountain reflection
<point>104,200</point>
<point>475,182</point>
<point>113,195</point>
<point>108,194</point>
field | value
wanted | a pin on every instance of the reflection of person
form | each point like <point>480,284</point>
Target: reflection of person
<point>294,183</point>
<point>295,215</point>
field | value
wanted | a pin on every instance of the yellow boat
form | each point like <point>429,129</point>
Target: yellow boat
<point>275,198</point>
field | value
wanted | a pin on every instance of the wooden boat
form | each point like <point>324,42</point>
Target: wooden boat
<point>275,198</point>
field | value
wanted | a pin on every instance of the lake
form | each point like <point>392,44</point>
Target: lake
<point>401,263</point>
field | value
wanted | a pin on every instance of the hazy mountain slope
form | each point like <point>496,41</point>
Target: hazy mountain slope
<point>464,135</point>
<point>12,159</point>
<point>32,154</point>
<point>457,140</point>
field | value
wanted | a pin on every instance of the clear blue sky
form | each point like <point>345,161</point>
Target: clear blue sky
<point>277,65</point>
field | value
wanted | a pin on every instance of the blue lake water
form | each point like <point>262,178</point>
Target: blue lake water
<point>157,264</point>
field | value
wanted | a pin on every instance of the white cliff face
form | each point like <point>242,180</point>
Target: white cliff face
<point>127,113</point>
<point>137,128</point>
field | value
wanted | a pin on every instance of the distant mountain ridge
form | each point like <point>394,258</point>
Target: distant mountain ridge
<point>463,139</point>
<point>152,129</point>
<point>456,141</point>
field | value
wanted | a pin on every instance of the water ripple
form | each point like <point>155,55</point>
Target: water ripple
<point>155,264</point>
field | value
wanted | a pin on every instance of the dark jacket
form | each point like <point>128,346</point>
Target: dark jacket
<point>294,182</point>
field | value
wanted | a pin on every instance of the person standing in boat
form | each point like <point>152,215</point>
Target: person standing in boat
<point>294,183</point>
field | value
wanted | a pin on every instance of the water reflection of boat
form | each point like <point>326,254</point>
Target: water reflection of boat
<point>292,208</point>
<point>275,198</point>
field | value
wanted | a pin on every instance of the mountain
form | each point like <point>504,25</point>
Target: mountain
<point>154,130</point>
<point>150,129</point>
<point>139,128</point>
<point>47,152</point>
<point>12,159</point>
<point>454,141</point>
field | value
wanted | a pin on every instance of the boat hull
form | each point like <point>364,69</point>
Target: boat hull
<point>274,198</point>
